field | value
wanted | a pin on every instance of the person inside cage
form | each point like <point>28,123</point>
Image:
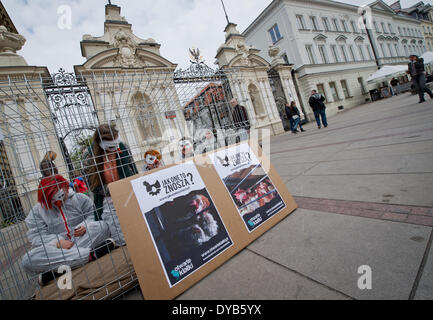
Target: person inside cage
<point>63,231</point>
<point>152,160</point>
<point>107,160</point>
<point>47,166</point>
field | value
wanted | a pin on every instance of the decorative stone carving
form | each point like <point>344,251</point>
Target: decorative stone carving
<point>127,47</point>
<point>244,50</point>
<point>273,52</point>
<point>10,42</point>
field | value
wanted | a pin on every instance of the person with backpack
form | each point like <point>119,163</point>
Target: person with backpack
<point>317,103</point>
<point>417,71</point>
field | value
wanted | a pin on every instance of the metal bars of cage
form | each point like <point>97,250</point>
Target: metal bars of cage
<point>48,129</point>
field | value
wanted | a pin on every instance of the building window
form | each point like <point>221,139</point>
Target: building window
<point>286,59</point>
<point>352,53</point>
<point>390,50</point>
<point>336,25</point>
<point>376,27</point>
<point>391,30</point>
<point>345,89</point>
<point>310,54</point>
<point>314,23</point>
<point>361,52</point>
<point>335,53</point>
<point>383,27</point>
<point>301,22</point>
<point>321,90</point>
<point>275,33</point>
<point>326,23</point>
<point>399,31</point>
<point>343,52</point>
<point>382,47</point>
<point>344,24</point>
<point>354,28</point>
<point>323,54</point>
<point>334,92</point>
<point>370,53</point>
<point>361,83</point>
<point>404,32</point>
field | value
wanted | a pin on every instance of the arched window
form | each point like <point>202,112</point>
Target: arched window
<point>147,119</point>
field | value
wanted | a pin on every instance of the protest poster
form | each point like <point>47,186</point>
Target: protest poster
<point>186,228</point>
<point>251,189</point>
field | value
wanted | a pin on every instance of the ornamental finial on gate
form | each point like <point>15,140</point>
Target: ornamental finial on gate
<point>197,69</point>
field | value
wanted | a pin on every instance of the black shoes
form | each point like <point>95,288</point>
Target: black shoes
<point>302,130</point>
<point>421,101</point>
<point>47,277</point>
<point>102,249</point>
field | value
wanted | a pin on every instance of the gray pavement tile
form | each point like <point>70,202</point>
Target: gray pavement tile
<point>249,276</point>
<point>330,248</point>
<point>405,189</point>
<point>425,286</point>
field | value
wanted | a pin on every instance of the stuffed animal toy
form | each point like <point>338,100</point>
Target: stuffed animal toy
<point>152,159</point>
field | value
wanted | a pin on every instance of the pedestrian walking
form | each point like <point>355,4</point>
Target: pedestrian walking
<point>417,71</point>
<point>395,86</point>
<point>294,117</point>
<point>317,103</point>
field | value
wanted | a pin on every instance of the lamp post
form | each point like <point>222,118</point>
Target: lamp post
<point>370,38</point>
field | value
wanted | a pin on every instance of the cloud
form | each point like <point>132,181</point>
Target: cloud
<point>176,24</point>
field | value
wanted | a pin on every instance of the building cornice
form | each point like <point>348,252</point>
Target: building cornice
<point>326,3</point>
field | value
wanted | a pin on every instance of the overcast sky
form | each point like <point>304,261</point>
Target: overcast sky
<point>176,24</point>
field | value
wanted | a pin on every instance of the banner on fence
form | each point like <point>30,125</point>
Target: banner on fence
<point>183,221</point>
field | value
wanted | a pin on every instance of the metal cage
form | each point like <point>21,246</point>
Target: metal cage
<point>150,111</point>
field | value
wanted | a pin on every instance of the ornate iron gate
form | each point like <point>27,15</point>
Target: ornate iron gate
<point>72,110</point>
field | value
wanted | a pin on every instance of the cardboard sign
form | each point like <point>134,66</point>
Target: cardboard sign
<point>183,221</point>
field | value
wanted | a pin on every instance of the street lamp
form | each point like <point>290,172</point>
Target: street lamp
<point>370,38</point>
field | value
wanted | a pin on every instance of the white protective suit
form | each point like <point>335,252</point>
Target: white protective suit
<point>47,227</point>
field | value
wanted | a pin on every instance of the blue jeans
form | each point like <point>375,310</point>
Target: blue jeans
<point>294,123</point>
<point>321,114</point>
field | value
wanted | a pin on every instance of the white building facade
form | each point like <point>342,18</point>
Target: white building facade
<point>329,48</point>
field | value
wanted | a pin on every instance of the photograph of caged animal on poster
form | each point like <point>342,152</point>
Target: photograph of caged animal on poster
<point>186,227</point>
<point>251,189</point>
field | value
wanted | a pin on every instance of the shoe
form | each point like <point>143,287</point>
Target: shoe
<point>421,101</point>
<point>326,126</point>
<point>102,249</point>
<point>302,130</point>
<point>47,277</point>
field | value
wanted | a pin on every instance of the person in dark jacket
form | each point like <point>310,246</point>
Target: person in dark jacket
<point>417,71</point>
<point>317,103</point>
<point>107,160</point>
<point>395,86</point>
<point>294,117</point>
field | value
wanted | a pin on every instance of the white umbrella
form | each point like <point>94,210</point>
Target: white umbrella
<point>428,57</point>
<point>387,72</point>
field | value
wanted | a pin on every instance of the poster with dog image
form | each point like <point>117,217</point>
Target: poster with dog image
<point>255,196</point>
<point>186,228</point>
